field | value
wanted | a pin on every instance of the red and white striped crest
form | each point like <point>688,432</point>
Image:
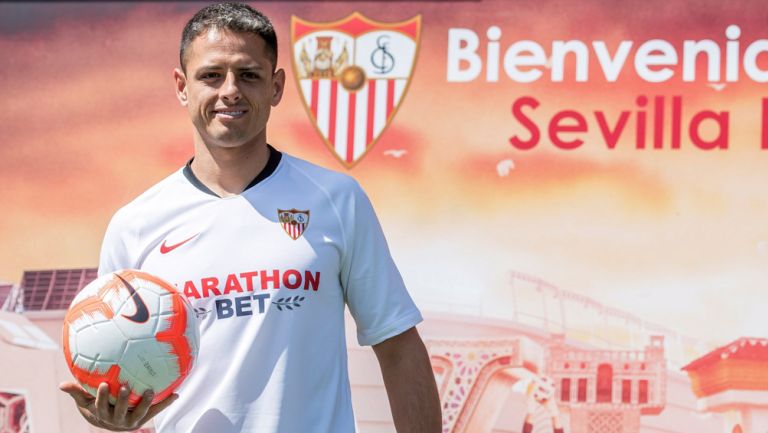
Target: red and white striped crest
<point>353,75</point>
<point>293,221</point>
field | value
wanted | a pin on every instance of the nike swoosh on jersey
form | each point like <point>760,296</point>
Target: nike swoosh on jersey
<point>165,249</point>
<point>142,313</point>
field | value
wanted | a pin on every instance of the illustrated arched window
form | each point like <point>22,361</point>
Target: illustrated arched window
<point>604,383</point>
<point>565,389</point>
<point>626,391</point>
<point>643,395</point>
<point>581,392</point>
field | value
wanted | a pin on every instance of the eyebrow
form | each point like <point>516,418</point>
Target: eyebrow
<point>217,67</point>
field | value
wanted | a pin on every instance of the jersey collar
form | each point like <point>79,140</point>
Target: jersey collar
<point>274,159</point>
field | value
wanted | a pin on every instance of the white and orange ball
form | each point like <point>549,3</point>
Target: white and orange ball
<point>129,328</point>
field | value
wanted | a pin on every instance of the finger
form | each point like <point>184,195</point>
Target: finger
<point>121,406</point>
<point>78,393</point>
<point>154,410</point>
<point>69,386</point>
<point>102,402</point>
<point>141,409</point>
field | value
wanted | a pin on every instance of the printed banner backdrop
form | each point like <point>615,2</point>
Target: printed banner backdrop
<point>14,413</point>
<point>594,170</point>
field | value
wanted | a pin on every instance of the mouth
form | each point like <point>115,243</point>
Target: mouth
<point>229,114</point>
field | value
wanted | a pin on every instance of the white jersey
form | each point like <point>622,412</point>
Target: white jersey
<point>268,273</point>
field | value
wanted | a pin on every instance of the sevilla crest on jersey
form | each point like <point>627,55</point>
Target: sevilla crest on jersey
<point>293,221</point>
<point>353,75</point>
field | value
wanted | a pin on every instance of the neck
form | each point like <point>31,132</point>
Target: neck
<point>227,171</point>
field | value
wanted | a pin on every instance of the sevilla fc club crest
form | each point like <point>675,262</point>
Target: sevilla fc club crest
<point>294,221</point>
<point>353,75</point>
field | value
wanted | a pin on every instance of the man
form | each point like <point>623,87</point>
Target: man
<point>541,397</point>
<point>269,249</point>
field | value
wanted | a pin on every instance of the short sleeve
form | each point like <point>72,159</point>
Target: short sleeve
<point>373,287</point>
<point>116,247</point>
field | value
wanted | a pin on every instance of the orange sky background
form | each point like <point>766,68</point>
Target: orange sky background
<point>677,237</point>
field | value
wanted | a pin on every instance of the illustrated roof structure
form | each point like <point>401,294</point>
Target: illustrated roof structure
<point>745,348</point>
<point>5,292</point>
<point>53,289</point>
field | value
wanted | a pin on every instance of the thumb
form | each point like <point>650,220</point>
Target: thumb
<point>70,387</point>
<point>77,392</point>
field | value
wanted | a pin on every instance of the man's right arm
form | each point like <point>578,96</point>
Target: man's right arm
<point>115,255</point>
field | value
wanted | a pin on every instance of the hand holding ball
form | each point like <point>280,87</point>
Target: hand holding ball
<point>130,329</point>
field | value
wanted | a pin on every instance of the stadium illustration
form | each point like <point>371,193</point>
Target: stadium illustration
<point>612,372</point>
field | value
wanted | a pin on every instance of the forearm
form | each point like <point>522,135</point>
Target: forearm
<point>410,384</point>
<point>413,399</point>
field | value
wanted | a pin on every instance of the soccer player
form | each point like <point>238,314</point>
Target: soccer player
<point>533,406</point>
<point>269,249</point>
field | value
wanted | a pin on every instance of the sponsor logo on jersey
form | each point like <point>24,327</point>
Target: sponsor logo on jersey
<point>293,221</point>
<point>243,294</point>
<point>201,312</point>
<point>289,303</point>
<point>352,75</point>
<point>165,249</point>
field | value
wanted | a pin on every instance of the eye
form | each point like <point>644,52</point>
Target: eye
<point>250,75</point>
<point>209,75</point>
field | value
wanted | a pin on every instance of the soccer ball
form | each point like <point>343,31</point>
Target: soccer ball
<point>130,328</point>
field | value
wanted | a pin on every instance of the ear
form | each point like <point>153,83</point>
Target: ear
<point>278,85</point>
<point>181,86</point>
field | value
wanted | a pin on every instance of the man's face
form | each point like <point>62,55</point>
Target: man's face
<point>229,87</point>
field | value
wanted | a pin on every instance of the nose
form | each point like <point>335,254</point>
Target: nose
<point>229,90</point>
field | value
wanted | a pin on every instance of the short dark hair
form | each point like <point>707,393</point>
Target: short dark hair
<point>236,17</point>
